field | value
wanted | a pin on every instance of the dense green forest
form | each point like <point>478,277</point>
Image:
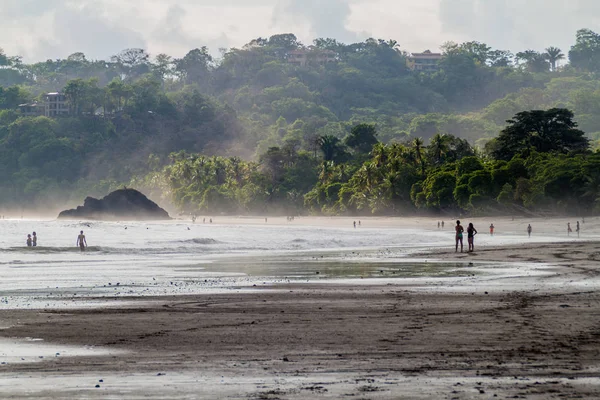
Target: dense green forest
<point>351,130</point>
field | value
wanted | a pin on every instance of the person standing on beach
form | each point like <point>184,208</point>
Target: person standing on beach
<point>34,239</point>
<point>459,236</point>
<point>81,242</point>
<point>442,224</point>
<point>529,229</point>
<point>354,224</point>
<point>569,230</point>
<point>471,232</point>
<point>492,229</point>
<point>28,240</point>
<point>577,229</point>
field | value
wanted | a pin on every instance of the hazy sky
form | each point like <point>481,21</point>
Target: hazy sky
<point>42,29</point>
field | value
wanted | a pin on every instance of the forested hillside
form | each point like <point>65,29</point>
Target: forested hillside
<point>350,129</point>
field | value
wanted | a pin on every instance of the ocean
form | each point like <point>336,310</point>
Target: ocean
<point>130,259</point>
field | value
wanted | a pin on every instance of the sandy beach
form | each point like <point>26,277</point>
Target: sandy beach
<point>517,321</point>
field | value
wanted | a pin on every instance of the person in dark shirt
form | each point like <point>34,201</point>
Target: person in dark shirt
<point>471,232</point>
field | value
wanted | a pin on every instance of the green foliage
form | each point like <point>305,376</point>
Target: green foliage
<point>349,130</point>
<point>543,131</point>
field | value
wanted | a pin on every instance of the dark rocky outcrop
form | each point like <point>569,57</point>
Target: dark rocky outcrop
<point>123,204</point>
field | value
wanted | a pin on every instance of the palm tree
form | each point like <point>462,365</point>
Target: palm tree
<point>554,54</point>
<point>418,150</point>
<point>329,145</point>
<point>438,147</point>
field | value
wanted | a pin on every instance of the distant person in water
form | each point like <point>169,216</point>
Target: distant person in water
<point>34,239</point>
<point>442,224</point>
<point>439,224</point>
<point>211,220</point>
<point>354,224</point>
<point>459,236</point>
<point>492,229</point>
<point>29,240</point>
<point>577,229</point>
<point>529,229</point>
<point>81,242</point>
<point>569,230</point>
<point>359,224</point>
<point>471,232</point>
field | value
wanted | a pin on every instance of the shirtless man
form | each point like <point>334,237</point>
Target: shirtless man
<point>81,242</point>
<point>459,236</point>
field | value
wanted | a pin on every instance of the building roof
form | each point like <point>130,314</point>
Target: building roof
<point>427,53</point>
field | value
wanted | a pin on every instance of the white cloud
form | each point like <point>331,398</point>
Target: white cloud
<point>40,29</point>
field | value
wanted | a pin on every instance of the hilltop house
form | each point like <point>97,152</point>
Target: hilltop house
<point>56,104</point>
<point>32,109</point>
<point>424,62</point>
<point>311,56</point>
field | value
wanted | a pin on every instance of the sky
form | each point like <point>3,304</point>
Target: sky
<point>42,29</point>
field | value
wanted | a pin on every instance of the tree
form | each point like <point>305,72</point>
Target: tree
<point>3,58</point>
<point>330,146</point>
<point>438,149</point>
<point>533,61</point>
<point>362,138</point>
<point>417,147</point>
<point>500,58</point>
<point>132,62</point>
<point>75,92</point>
<point>120,92</point>
<point>544,131</point>
<point>281,44</point>
<point>585,53</point>
<point>554,54</point>
<point>77,57</point>
<point>163,66</point>
<point>194,66</point>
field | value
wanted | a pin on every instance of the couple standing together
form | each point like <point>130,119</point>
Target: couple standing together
<point>471,232</point>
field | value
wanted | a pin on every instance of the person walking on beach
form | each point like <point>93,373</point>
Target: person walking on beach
<point>354,224</point>
<point>438,224</point>
<point>529,229</point>
<point>471,232</point>
<point>29,240</point>
<point>442,224</point>
<point>577,229</point>
<point>459,236</point>
<point>569,230</point>
<point>34,239</point>
<point>492,229</point>
<point>81,242</point>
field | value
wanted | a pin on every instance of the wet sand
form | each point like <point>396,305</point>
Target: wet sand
<point>530,330</point>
